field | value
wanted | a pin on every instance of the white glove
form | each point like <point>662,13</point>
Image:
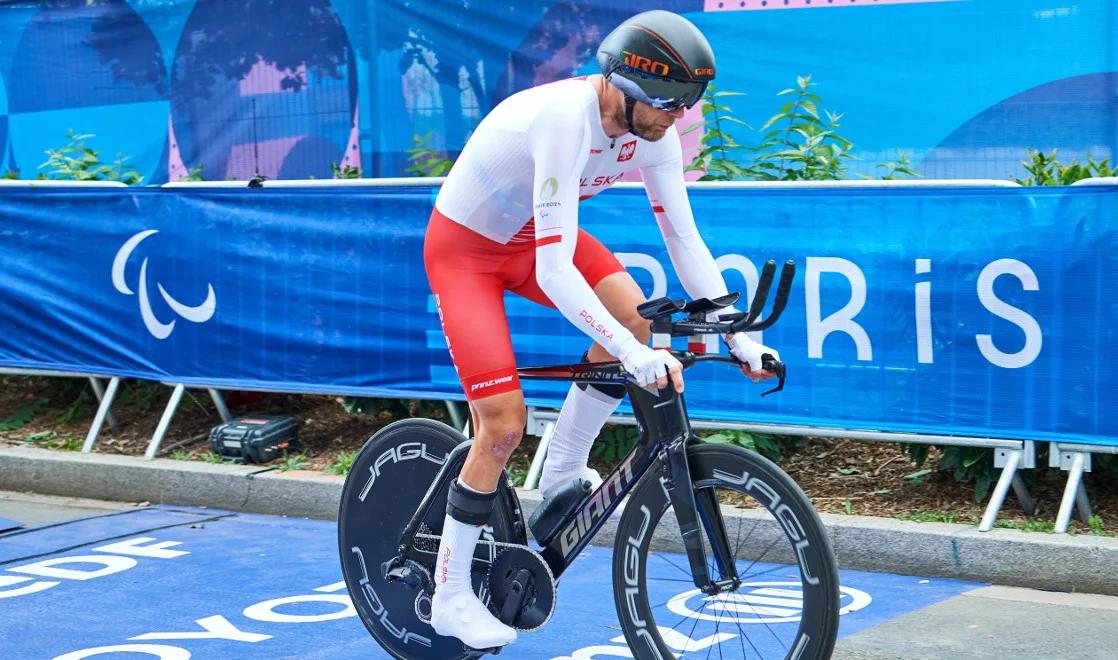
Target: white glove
<point>646,365</point>
<point>749,351</point>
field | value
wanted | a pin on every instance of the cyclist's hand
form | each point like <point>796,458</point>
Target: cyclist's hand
<point>648,367</point>
<point>749,353</point>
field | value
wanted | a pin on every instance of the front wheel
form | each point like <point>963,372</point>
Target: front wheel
<point>787,603</point>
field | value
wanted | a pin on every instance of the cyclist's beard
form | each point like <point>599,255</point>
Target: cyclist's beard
<point>644,125</point>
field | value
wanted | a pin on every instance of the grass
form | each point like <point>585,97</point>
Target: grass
<point>1029,525</point>
<point>66,444</point>
<point>46,439</point>
<point>293,462</point>
<point>213,457</point>
<point>932,516</point>
<point>517,476</point>
<point>1097,526</point>
<point>343,464</point>
<point>180,455</point>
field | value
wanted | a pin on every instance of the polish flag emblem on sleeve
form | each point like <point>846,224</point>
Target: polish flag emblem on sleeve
<point>627,151</point>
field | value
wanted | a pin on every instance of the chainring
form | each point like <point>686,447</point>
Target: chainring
<point>505,560</point>
<point>539,600</point>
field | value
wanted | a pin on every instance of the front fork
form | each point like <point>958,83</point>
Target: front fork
<point>663,415</point>
<point>692,509</point>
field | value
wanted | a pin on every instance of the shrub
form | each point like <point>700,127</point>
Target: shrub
<point>78,162</point>
<point>1045,170</point>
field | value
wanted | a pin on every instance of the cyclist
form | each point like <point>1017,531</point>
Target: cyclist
<point>507,219</point>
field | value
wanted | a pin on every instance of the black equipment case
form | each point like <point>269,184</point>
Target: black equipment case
<point>256,438</point>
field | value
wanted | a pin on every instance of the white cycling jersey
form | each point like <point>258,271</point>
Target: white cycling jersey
<point>528,164</point>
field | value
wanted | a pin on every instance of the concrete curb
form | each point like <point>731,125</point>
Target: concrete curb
<point>1002,556</point>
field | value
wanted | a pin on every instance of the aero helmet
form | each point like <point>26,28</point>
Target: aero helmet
<point>658,58</point>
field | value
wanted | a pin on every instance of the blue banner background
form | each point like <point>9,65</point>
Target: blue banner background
<point>286,88</point>
<point>323,290</point>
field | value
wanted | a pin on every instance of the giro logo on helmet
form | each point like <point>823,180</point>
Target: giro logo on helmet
<point>642,63</point>
<point>705,71</point>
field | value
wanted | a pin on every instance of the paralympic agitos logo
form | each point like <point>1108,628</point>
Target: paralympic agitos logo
<point>157,328</point>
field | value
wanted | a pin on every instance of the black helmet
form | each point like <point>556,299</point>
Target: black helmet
<point>658,58</point>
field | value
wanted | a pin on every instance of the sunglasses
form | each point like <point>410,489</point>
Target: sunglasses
<point>660,93</point>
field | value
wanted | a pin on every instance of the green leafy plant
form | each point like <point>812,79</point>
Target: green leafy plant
<point>426,160</point>
<point>66,444</point>
<point>516,476</point>
<point>343,463</point>
<point>391,409</point>
<point>931,516</point>
<point>898,169</point>
<point>769,446</point>
<point>293,462</point>
<point>142,395</point>
<point>22,416</point>
<point>80,163</point>
<point>213,457</point>
<point>347,172</point>
<point>1045,170</point>
<point>80,408</point>
<point>715,159</point>
<point>194,174</point>
<point>799,143</point>
<point>1030,525</point>
<point>180,455</point>
<point>967,465</point>
<point>41,436</point>
<point>614,442</point>
<point>11,174</point>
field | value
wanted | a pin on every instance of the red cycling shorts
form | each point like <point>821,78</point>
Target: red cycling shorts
<point>469,275</point>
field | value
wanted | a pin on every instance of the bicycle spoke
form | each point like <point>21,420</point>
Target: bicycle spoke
<point>767,571</point>
<point>771,599</point>
<point>685,571</point>
<point>761,556</point>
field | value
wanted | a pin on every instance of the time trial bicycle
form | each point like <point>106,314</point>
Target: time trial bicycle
<point>756,578</point>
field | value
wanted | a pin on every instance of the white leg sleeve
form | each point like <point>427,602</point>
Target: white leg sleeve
<point>580,420</point>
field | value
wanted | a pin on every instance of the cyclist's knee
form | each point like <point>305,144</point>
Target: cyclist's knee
<point>500,428</point>
<point>502,443</point>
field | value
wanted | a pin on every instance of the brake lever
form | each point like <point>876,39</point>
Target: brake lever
<point>771,364</point>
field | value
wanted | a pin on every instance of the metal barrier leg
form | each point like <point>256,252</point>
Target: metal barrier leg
<point>164,421</point>
<point>1071,490</point>
<point>997,498</point>
<point>1083,503</point>
<point>100,392</point>
<point>533,478</point>
<point>455,416</point>
<point>1028,504</point>
<point>219,403</point>
<point>102,413</point>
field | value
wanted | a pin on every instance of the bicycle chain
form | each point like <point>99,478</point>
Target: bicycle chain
<point>496,548</point>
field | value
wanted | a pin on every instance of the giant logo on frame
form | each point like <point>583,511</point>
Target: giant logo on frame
<point>158,329</point>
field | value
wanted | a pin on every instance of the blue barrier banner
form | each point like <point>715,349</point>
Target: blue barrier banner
<point>968,311</point>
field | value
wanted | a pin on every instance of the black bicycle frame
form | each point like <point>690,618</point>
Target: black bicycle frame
<point>665,432</point>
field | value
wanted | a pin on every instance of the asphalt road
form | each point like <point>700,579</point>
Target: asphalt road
<point>987,622</point>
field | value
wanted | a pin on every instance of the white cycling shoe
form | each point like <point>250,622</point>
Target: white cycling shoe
<point>460,614</point>
<point>554,484</point>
